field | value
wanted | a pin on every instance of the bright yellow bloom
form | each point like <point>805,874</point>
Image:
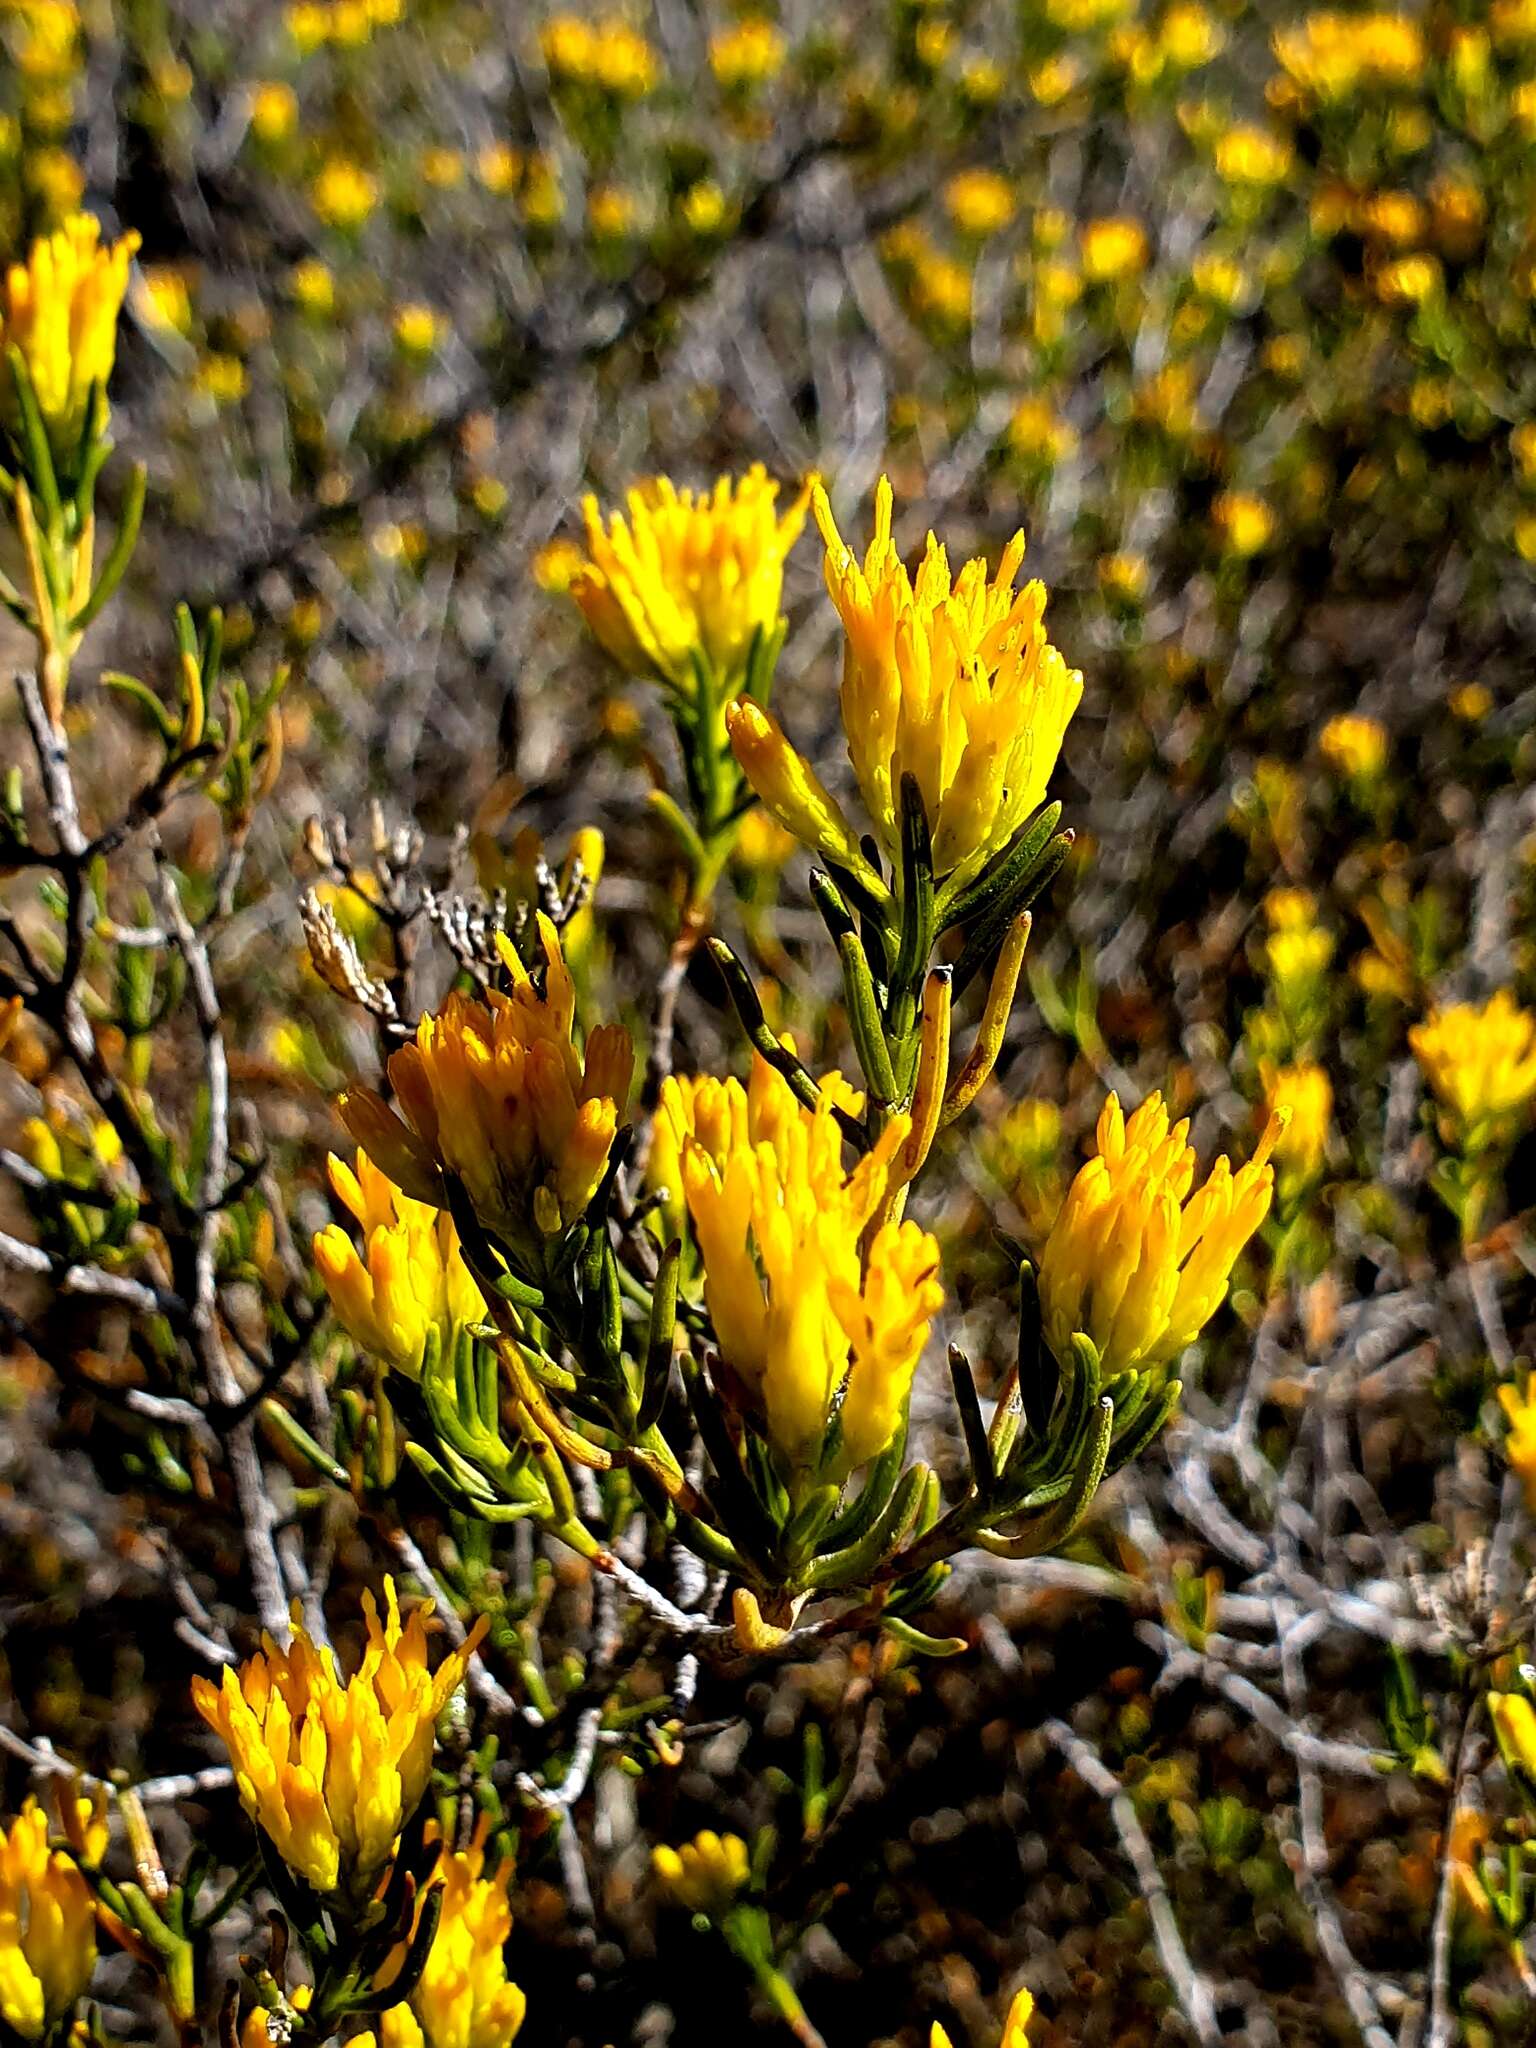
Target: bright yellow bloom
<point>1246,155</point>
<point>1520,1444</point>
<point>1137,1261</point>
<point>802,1320</point>
<point>274,112</point>
<point>312,286</point>
<point>746,55</point>
<point>1514,1722</point>
<point>1015,2027</point>
<point>417,328</point>
<point>1244,522</point>
<point>980,202</point>
<point>1303,1094</point>
<point>705,1874</point>
<point>1189,37</point>
<point>1408,281</point>
<point>496,1093</point>
<point>411,1278</point>
<point>1356,747</point>
<point>59,311</point>
<point>688,573</point>
<point>465,1998</point>
<point>1481,1062</point>
<point>47,1928</point>
<point>343,194</point>
<point>1113,248</point>
<point>951,680</point>
<point>331,1771</point>
<point>608,55</point>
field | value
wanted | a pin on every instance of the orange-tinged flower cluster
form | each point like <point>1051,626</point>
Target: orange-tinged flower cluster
<point>410,1278</point>
<point>1329,54</point>
<point>947,678</point>
<point>808,1326</point>
<point>496,1093</point>
<point>1480,1059</point>
<point>59,310</point>
<point>686,575</point>
<point>47,1928</point>
<point>331,1770</point>
<point>1138,1259</point>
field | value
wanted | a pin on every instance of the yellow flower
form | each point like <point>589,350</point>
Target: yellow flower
<point>705,1874</point>
<point>411,1278</point>
<point>1037,434</point>
<point>496,1093</point>
<point>312,286</point>
<point>1520,1444</point>
<point>1246,155</point>
<point>1480,1061</point>
<point>274,112</point>
<point>747,55</point>
<point>1512,1715</point>
<point>1301,1097</point>
<point>608,54</point>
<point>704,207</point>
<point>612,212</point>
<point>498,166</point>
<point>1015,2027</point>
<point>1112,249</point>
<point>59,311</point>
<point>416,329</point>
<point>1243,521</point>
<point>343,194</point>
<point>803,1320</point>
<point>47,1928</point>
<point>688,573</point>
<point>979,202</point>
<point>1189,37</point>
<point>951,680</point>
<point>165,301</point>
<point>465,1998</point>
<point>1356,747</point>
<point>1123,576</point>
<point>331,1771</point>
<point>1329,54</point>
<point>1408,281</point>
<point>1135,1259</point>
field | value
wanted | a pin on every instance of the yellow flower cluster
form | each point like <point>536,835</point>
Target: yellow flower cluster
<point>809,1326</point>
<point>1015,2027</point>
<point>1329,55</point>
<point>1481,1062</point>
<point>59,311</point>
<point>410,1278</point>
<point>331,1771</point>
<point>949,679</point>
<point>705,1874</point>
<point>1138,1261</point>
<point>465,1998</point>
<point>687,574</point>
<point>496,1093</point>
<point>746,55</point>
<point>1519,1405</point>
<point>1514,1722</point>
<point>1300,1098</point>
<point>606,54</point>
<point>47,1929</point>
<point>1355,747</point>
